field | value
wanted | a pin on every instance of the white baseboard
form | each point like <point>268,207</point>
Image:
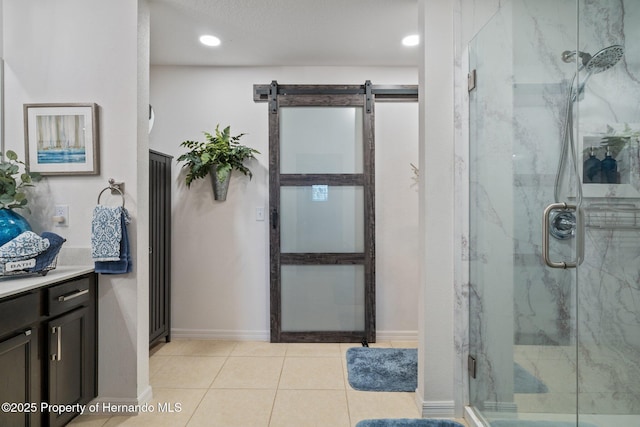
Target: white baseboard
<point>437,408</point>
<point>239,335</point>
<point>220,334</point>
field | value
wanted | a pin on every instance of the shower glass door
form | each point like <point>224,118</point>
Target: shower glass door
<point>555,118</point>
<point>522,319</point>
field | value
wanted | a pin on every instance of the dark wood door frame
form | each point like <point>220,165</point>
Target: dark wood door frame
<point>331,96</point>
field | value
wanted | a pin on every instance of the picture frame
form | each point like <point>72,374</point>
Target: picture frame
<point>62,139</point>
<point>609,162</point>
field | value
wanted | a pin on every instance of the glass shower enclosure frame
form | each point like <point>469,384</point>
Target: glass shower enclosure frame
<point>554,122</point>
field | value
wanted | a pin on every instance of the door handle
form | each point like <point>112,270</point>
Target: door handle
<point>76,294</point>
<point>579,236</point>
<point>274,218</point>
<point>57,356</point>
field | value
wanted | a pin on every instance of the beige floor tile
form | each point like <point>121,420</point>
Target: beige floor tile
<point>187,372</point>
<point>234,408</point>
<point>250,372</point>
<point>171,408</point>
<point>368,404</point>
<point>313,350</point>
<point>312,408</point>
<point>260,349</point>
<point>312,373</point>
<point>89,421</point>
<point>197,348</point>
<point>404,344</point>
<point>167,348</point>
<point>156,362</point>
<point>380,344</point>
<point>346,346</point>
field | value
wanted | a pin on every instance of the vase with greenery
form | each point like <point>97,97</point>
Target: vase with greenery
<point>219,155</point>
<point>13,183</point>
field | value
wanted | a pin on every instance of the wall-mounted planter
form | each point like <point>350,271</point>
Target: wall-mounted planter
<point>219,156</point>
<point>220,184</point>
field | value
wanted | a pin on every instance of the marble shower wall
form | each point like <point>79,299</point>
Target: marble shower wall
<point>517,115</point>
<point>609,278</point>
<point>543,309</point>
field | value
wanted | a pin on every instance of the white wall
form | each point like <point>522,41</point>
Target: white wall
<point>435,394</point>
<point>87,51</point>
<point>220,266</point>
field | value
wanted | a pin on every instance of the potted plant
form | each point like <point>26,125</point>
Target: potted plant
<point>13,195</point>
<point>218,156</point>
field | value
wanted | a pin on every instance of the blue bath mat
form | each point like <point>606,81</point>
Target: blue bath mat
<point>396,369</point>
<point>407,422</point>
<point>383,369</point>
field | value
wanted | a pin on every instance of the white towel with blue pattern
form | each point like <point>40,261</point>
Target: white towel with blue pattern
<point>106,232</point>
<point>26,245</point>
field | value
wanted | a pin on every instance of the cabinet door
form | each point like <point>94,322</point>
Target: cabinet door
<point>159,247</point>
<point>20,379</point>
<point>70,362</point>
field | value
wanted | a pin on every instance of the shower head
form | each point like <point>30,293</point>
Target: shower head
<point>604,59</point>
<point>601,61</point>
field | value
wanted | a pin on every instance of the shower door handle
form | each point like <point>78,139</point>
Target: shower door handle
<point>579,236</point>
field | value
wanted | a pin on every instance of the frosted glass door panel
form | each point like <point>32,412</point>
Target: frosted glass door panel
<point>321,218</point>
<point>321,140</point>
<point>322,298</point>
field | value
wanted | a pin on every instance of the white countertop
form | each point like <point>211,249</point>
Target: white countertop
<point>15,284</point>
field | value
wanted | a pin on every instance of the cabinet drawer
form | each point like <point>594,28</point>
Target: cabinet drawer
<point>18,312</point>
<point>68,295</point>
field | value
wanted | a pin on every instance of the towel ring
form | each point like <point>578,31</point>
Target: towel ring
<point>112,186</point>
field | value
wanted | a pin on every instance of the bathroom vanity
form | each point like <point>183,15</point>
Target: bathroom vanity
<point>48,346</point>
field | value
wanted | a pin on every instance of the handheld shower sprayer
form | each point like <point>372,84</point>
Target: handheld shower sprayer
<point>592,64</point>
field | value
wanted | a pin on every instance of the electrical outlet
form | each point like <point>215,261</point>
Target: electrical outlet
<point>61,215</point>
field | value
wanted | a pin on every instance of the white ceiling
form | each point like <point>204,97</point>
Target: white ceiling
<point>284,32</point>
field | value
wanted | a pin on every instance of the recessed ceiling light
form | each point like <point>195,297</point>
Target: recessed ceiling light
<point>412,40</point>
<point>208,40</point>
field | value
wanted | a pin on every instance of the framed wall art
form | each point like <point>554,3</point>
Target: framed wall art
<point>62,139</point>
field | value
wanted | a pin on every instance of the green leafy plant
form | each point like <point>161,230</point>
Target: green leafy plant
<point>220,150</point>
<point>13,182</point>
<point>617,140</point>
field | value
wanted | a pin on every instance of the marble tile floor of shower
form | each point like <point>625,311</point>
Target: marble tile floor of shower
<point>258,384</point>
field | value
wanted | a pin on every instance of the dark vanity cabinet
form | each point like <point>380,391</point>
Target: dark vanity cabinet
<point>71,338</point>
<point>20,368</point>
<point>48,351</point>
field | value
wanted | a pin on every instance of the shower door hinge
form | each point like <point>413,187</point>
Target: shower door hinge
<point>471,366</point>
<point>471,80</point>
